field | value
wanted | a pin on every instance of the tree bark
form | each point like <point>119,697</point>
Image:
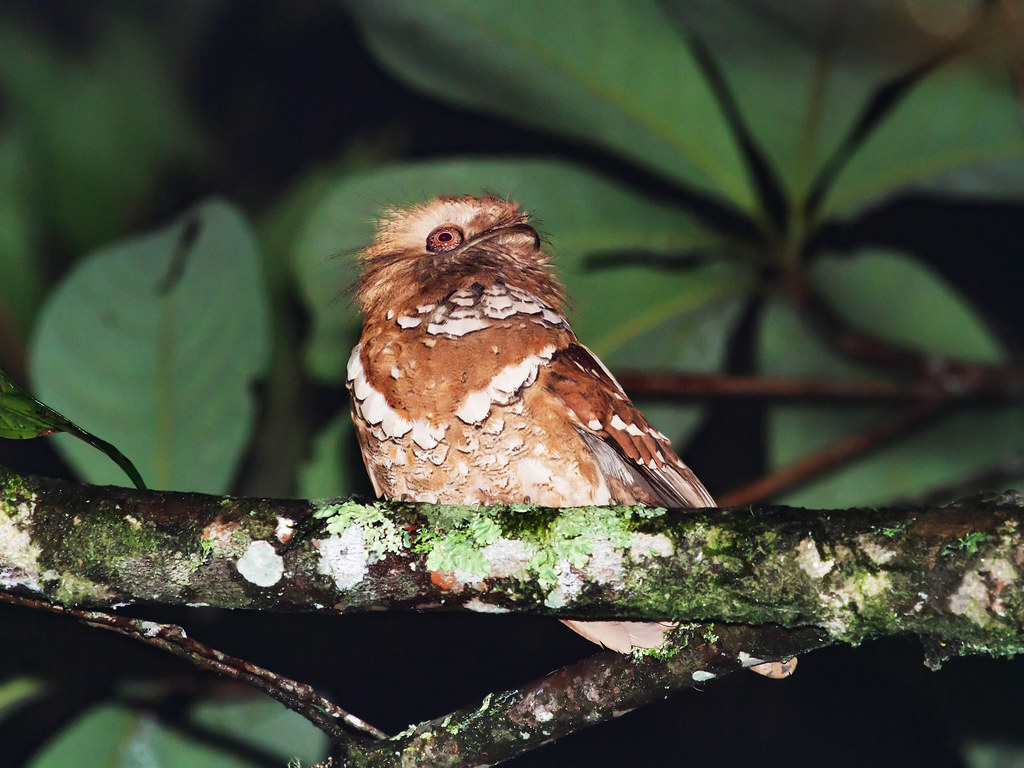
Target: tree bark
<point>952,572</point>
<point>747,585</point>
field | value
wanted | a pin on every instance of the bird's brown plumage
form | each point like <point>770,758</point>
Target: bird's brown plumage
<point>469,386</point>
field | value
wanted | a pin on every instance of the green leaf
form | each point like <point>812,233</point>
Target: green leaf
<point>265,724</point>
<point>103,127</point>
<point>156,343</point>
<point>798,72</point>
<point>906,302</point>
<point>107,736</point>
<point>899,298</point>
<point>22,416</point>
<point>330,470</point>
<point>20,278</point>
<point>959,129</point>
<point>15,692</point>
<point>618,75</point>
<point>992,754</point>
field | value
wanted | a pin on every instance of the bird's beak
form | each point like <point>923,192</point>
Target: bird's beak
<point>516,233</point>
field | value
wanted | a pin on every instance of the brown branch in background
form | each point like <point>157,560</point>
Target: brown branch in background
<point>894,358</point>
<point>833,391</point>
<point>594,690</point>
<point>298,697</point>
<point>839,453</point>
<point>931,382</point>
<point>1013,28</point>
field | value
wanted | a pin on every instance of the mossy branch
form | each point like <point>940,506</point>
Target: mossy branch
<point>952,572</point>
<point>952,575</point>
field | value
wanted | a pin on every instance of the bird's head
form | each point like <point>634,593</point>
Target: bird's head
<point>433,249</point>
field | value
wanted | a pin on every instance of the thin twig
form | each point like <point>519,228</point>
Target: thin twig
<point>951,374</point>
<point>298,697</point>
<point>834,391</point>
<point>594,690</point>
<point>839,453</point>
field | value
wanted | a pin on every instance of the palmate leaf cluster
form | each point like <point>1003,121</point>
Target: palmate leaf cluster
<point>699,151</point>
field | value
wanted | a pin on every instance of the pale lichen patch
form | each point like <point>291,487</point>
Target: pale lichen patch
<point>879,554</point>
<point>701,676</point>
<point>343,557</point>
<point>851,600</point>
<point>978,595</point>
<point>605,564</point>
<point>260,564</point>
<point>810,561</point>
<point>19,555</point>
<point>151,628</point>
<point>646,544</point>
<point>543,715</point>
<point>479,606</point>
<point>508,557</point>
<point>285,528</point>
<point>568,585</point>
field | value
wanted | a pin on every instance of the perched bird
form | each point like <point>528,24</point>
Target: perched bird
<point>468,386</point>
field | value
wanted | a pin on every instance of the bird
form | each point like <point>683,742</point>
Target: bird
<point>469,386</point>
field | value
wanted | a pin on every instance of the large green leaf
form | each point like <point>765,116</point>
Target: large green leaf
<point>959,129</point>
<point>897,297</point>
<point>611,73</point>
<point>331,469</point>
<point>110,736</point>
<point>800,72</point>
<point>906,302</point>
<point>632,315</point>
<point>155,344</point>
<point>20,278</point>
<point>102,126</point>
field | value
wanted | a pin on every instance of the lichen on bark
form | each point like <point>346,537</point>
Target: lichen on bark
<point>950,572</point>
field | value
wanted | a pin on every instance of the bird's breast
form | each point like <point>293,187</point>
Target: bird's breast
<point>448,408</point>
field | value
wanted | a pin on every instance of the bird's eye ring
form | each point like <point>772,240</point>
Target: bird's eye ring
<point>447,237</point>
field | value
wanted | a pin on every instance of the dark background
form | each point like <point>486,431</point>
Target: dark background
<point>283,88</point>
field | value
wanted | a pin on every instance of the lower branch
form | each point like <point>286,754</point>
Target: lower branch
<point>594,690</point>
<point>950,574</point>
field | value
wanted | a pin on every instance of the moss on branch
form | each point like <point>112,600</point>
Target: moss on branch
<point>954,573</point>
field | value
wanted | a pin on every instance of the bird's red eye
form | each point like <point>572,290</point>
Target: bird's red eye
<point>445,238</point>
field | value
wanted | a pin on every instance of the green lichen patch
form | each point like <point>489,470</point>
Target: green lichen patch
<point>380,534</point>
<point>100,542</point>
<point>576,536</point>
<point>969,543</point>
<point>458,548</point>
<point>76,590</point>
<point>455,538</point>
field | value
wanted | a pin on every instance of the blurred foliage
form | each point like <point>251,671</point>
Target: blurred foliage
<point>693,157</point>
<point>159,340</point>
<point>112,735</point>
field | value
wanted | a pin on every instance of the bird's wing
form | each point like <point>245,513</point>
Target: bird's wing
<point>637,461</point>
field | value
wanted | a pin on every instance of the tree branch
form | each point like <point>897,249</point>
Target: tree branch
<point>1006,385</point>
<point>596,689</point>
<point>950,574</point>
<point>951,571</point>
